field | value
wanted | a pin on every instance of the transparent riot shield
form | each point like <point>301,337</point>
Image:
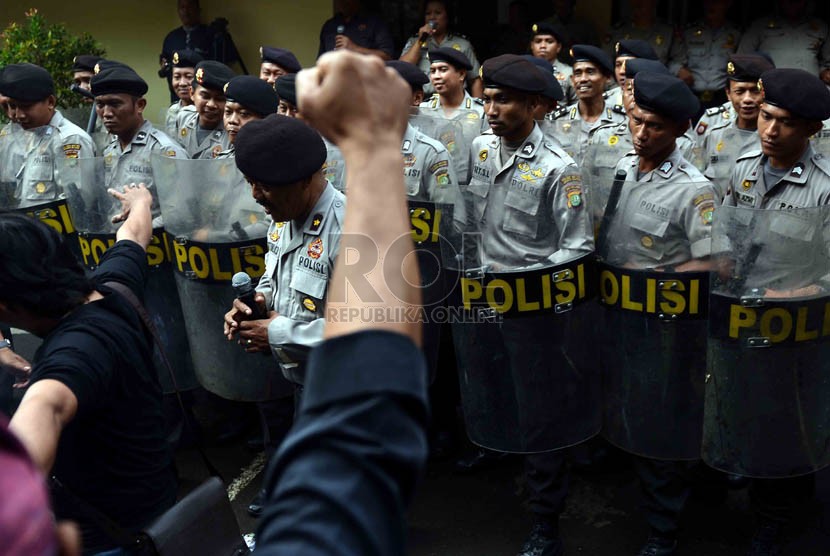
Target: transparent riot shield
<point>567,134</point>
<point>723,154</point>
<point>527,375</point>
<point>768,376</point>
<point>92,209</point>
<point>599,160</point>
<point>335,166</point>
<point>456,133</point>
<point>12,155</point>
<point>653,348</point>
<point>821,140</point>
<point>215,230</point>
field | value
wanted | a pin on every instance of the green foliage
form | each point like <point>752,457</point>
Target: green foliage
<point>49,45</point>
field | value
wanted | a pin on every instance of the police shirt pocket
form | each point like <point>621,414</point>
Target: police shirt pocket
<point>800,228</point>
<point>648,235</point>
<point>477,192</point>
<point>309,292</point>
<point>520,215</point>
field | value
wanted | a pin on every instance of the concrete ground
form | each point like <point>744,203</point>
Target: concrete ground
<point>483,514</point>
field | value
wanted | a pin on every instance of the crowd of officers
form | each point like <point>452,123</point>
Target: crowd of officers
<point>524,148</point>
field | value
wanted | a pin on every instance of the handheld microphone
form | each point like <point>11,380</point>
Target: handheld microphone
<point>244,289</point>
<point>424,36</point>
<point>341,29</point>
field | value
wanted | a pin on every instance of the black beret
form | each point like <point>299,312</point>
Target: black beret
<point>117,78</point>
<point>211,74</point>
<point>453,57</point>
<point>279,150</point>
<point>85,62</point>
<point>411,73</point>
<point>280,56</point>
<point>636,65</point>
<point>594,55</point>
<point>286,88</point>
<point>747,67</point>
<point>514,72</point>
<point>800,92</point>
<point>104,64</point>
<point>665,95</point>
<point>553,29</point>
<point>253,93</point>
<point>634,48</point>
<point>554,89</point>
<point>26,83</point>
<point>186,58</point>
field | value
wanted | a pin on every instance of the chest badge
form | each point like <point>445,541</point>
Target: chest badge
<point>746,185</point>
<point>482,155</point>
<point>524,167</point>
<point>309,304</point>
<point>613,140</point>
<point>647,242</point>
<point>40,188</point>
<point>315,248</point>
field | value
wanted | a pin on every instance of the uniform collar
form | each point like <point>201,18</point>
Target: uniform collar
<point>797,174</point>
<point>57,119</point>
<point>408,144</point>
<point>531,143</point>
<point>143,134</point>
<point>316,219</point>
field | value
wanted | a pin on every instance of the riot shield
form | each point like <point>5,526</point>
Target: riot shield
<point>722,156</point>
<point>12,154</point>
<point>335,166</point>
<point>92,209</point>
<point>767,385</point>
<point>456,134</point>
<point>653,329</point>
<point>599,160</point>
<point>527,376</point>
<point>215,230</point>
<point>821,140</point>
<point>567,134</point>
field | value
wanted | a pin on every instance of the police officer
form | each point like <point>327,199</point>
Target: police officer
<point>643,25</point>
<point>448,73</point>
<point>793,40</point>
<point>591,71</point>
<point>727,139</point>
<point>625,50</point>
<point>522,226</point>
<point>546,42</point>
<point>699,55</point>
<point>662,221</point>
<point>31,104</point>
<point>183,70</point>
<point>119,99</point>
<point>199,128</point>
<point>83,68</point>
<point>434,34</point>
<point>427,169</point>
<point>784,173</point>
<point>276,62</point>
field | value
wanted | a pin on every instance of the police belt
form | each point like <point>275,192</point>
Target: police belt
<point>666,296</point>
<point>755,322</point>
<point>216,263</point>
<point>527,293</point>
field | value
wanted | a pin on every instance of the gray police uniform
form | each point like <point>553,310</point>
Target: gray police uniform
<point>712,117</point>
<point>334,168</point>
<point>298,266</point>
<point>721,147</point>
<point>253,221</point>
<point>704,52</point>
<point>187,125</point>
<point>39,179</point>
<point>529,209</point>
<point>803,45</point>
<point>171,116</point>
<point>563,72</point>
<point>427,169</point>
<point>133,164</point>
<point>664,218</point>
<point>574,133</point>
<point>659,35</point>
<point>456,42</point>
<point>470,109</point>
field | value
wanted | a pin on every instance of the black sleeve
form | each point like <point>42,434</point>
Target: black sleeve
<point>124,262</point>
<point>347,470</point>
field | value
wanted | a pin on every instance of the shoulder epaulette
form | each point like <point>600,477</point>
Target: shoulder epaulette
<point>715,110</point>
<point>618,108</point>
<point>559,112</point>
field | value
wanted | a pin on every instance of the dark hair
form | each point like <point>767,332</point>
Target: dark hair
<point>447,8</point>
<point>39,272</point>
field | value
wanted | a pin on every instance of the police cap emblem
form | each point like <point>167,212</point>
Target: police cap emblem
<point>200,75</point>
<point>175,57</point>
<point>730,68</point>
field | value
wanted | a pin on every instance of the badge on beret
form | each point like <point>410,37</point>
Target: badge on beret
<point>200,75</point>
<point>40,187</point>
<point>730,68</point>
<point>175,57</point>
<point>315,248</point>
<point>617,48</point>
<point>260,52</point>
<point>535,28</point>
<point>97,69</point>
<point>647,242</point>
<point>225,88</point>
<point>316,222</point>
<point>571,52</point>
<point>761,85</point>
<point>481,72</point>
<point>482,155</point>
<point>74,59</point>
<point>309,304</point>
<point>613,140</point>
<point>746,185</point>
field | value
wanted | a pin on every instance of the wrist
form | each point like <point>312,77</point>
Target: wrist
<point>5,344</point>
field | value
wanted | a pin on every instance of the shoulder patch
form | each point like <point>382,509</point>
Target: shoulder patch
<point>701,128</point>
